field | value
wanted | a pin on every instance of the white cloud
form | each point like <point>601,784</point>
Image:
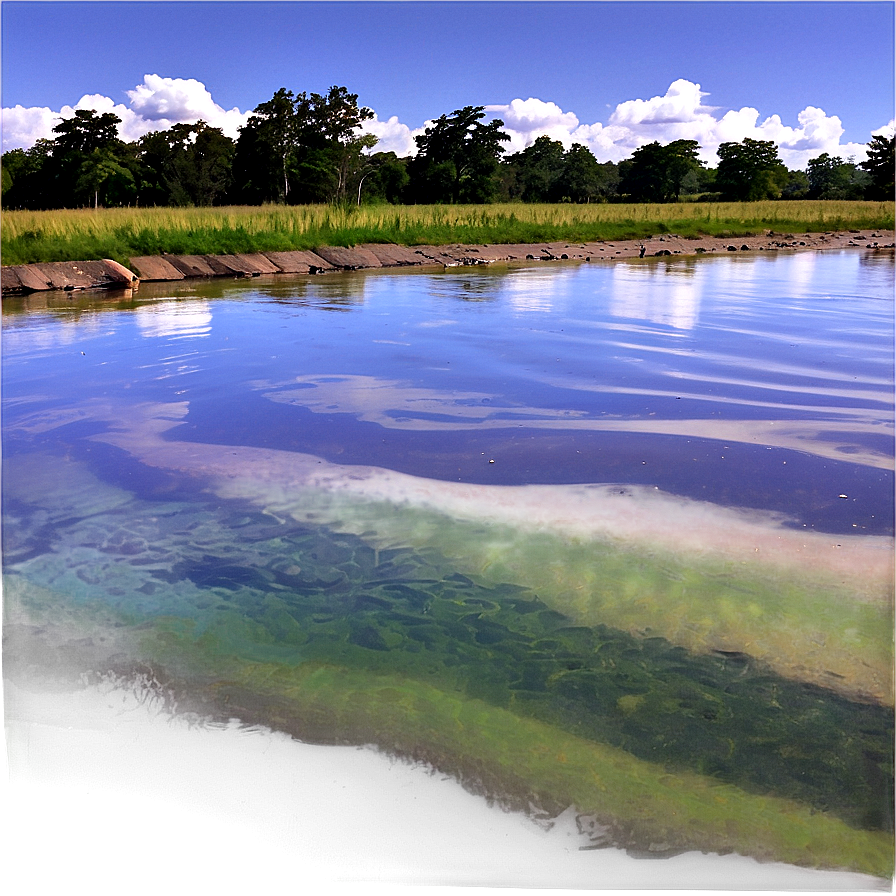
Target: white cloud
<point>155,105</point>
<point>23,127</point>
<point>527,120</point>
<point>393,136</point>
<point>680,113</point>
<point>172,100</point>
<point>681,106</point>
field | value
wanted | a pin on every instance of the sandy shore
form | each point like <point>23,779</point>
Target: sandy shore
<point>667,244</point>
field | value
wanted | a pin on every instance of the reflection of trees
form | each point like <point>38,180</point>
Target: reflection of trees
<point>329,292</point>
<point>885,259</point>
<point>75,305</point>
<point>478,286</point>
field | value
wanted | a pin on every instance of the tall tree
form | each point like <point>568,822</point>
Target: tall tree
<point>681,163</point>
<point>85,132</point>
<point>457,158</point>
<point>540,170</point>
<point>89,141</point>
<point>583,179</point>
<point>643,176</point>
<point>750,170</point>
<point>303,147</point>
<point>188,164</point>
<point>832,178</point>
<point>103,179</point>
<point>656,173</point>
<point>881,164</point>
<point>264,149</point>
<point>333,128</point>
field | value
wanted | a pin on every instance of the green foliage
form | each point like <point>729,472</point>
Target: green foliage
<point>544,172</point>
<point>308,148</point>
<point>85,132</point>
<point>457,158</point>
<point>540,170</point>
<point>384,178</point>
<point>750,170</point>
<point>658,173</point>
<point>302,147</point>
<point>830,178</point>
<point>881,165</point>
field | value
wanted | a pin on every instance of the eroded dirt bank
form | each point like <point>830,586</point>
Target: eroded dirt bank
<point>107,274</point>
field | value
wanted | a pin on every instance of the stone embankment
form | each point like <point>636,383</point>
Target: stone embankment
<point>106,274</point>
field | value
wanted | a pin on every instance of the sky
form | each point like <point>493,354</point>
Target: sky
<point>812,76</point>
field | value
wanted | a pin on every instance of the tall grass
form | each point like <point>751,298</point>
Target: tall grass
<point>84,234</point>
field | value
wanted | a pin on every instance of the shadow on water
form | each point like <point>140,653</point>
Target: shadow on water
<point>138,727</point>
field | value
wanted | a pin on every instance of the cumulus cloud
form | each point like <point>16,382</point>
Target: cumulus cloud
<point>392,135</point>
<point>172,100</point>
<point>155,105</point>
<point>527,120</point>
<point>680,113</point>
<point>24,126</point>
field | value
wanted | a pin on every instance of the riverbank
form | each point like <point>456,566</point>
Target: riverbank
<point>109,274</point>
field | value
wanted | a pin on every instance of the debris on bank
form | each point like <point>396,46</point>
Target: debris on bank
<point>107,274</point>
<point>66,275</point>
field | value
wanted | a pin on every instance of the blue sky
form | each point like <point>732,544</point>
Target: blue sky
<point>592,72</point>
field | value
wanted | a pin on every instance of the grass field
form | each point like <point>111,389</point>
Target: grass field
<point>85,234</point>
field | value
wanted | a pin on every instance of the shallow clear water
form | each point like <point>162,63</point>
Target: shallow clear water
<point>646,505</point>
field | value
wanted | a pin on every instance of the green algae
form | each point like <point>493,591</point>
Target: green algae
<point>522,762</point>
<point>342,638</point>
<point>801,622</point>
<point>287,599</point>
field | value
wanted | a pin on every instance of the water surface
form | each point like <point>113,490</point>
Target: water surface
<point>639,513</point>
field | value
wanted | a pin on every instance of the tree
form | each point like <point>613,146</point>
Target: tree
<point>750,170</point>
<point>540,170</point>
<point>210,160</point>
<point>303,147</point>
<point>583,179</point>
<point>102,176</point>
<point>86,132</point>
<point>385,179</point>
<point>457,158</point>
<point>188,164</point>
<point>880,165</point>
<point>644,177</point>
<point>831,178</point>
<point>338,118</point>
<point>657,173</point>
<point>797,186</point>
<point>85,140</point>
<point>25,176</point>
<point>265,145</point>
<point>681,162</point>
<point>331,134</point>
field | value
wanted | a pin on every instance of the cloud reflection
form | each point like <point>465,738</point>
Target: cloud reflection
<point>663,294</point>
<point>181,320</point>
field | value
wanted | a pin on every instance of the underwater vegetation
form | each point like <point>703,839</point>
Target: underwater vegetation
<point>618,539</point>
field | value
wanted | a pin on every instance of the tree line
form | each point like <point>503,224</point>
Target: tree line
<point>308,148</point>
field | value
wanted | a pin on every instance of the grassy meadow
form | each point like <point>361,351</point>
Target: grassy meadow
<point>122,233</point>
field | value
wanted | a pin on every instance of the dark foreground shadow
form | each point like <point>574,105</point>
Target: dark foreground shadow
<point>81,705</point>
